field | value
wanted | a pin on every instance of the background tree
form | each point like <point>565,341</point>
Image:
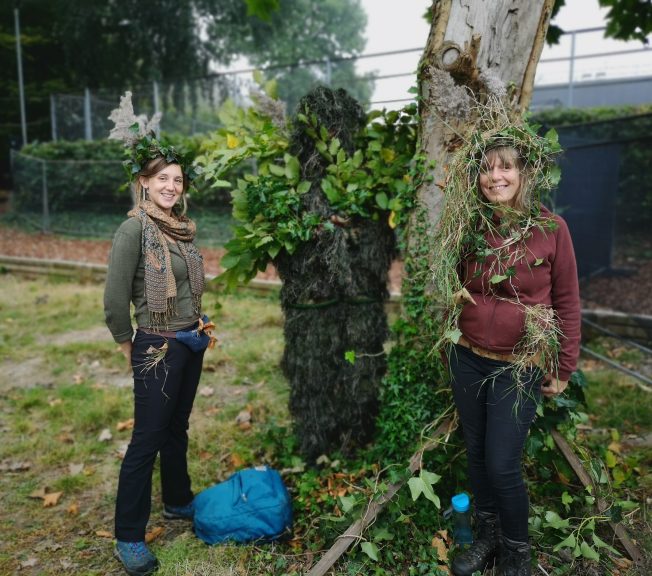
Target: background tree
<point>289,31</point>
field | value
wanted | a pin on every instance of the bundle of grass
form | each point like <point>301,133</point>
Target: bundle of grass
<point>468,220</point>
<point>333,295</point>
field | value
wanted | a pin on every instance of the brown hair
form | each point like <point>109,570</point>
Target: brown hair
<point>154,167</point>
<point>510,156</point>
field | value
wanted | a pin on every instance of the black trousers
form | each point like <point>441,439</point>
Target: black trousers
<point>163,399</point>
<point>496,415</point>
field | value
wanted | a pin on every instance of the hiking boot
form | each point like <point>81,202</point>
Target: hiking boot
<point>515,558</point>
<point>482,553</point>
<point>186,512</point>
<point>136,558</point>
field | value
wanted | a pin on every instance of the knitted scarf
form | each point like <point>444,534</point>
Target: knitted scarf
<point>160,286</point>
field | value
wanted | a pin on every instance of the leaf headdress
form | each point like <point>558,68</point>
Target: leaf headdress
<point>138,134</point>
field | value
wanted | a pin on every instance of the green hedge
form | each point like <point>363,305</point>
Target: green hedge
<point>87,176</point>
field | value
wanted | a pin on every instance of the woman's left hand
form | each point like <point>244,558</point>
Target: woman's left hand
<point>553,386</point>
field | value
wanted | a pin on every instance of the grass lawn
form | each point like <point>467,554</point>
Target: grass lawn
<point>65,406</point>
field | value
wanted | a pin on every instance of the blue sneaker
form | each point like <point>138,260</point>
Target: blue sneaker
<point>136,558</point>
<point>186,512</point>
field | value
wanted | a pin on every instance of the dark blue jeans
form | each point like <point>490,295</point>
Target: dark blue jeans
<point>163,399</point>
<point>496,415</point>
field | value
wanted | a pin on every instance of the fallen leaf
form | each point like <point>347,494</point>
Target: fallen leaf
<point>615,447</point>
<point>153,534</point>
<point>98,386</point>
<point>206,391</point>
<point>125,425</point>
<point>442,550</point>
<point>212,411</point>
<point>444,535</point>
<point>205,455</point>
<point>78,378</point>
<point>38,493</point>
<point>444,569</point>
<point>74,469</point>
<point>105,435</point>
<point>73,509</point>
<point>51,499</point>
<point>29,563</point>
<point>103,534</point>
<point>236,461</point>
<point>244,425</point>
<point>55,402</point>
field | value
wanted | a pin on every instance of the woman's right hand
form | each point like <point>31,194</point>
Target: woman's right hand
<point>125,348</point>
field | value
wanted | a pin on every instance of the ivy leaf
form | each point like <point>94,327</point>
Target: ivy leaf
<point>555,521</point>
<point>589,552</point>
<point>601,544</point>
<point>349,356</point>
<point>347,503</point>
<point>497,278</point>
<point>568,542</point>
<point>566,499</point>
<point>370,549</point>
<point>416,487</point>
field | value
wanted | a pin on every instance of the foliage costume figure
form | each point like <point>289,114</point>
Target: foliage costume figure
<point>333,295</point>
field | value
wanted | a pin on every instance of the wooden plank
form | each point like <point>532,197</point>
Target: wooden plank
<point>577,466</point>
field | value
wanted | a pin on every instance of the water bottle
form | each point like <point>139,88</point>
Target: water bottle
<point>462,534</point>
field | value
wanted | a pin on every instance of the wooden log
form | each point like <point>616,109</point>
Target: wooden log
<point>355,531</point>
<point>577,466</point>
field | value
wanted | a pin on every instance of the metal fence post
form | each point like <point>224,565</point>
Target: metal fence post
<point>53,117</point>
<point>88,128</point>
<point>571,72</point>
<point>157,106</point>
<point>45,224</point>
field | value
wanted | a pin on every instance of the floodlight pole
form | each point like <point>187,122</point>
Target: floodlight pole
<point>21,90</point>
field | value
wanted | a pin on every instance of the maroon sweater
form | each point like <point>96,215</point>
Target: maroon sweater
<point>546,274</point>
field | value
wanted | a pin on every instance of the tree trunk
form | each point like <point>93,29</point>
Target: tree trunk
<point>474,47</point>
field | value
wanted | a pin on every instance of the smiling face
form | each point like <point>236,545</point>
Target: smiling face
<point>164,187</point>
<point>500,178</point>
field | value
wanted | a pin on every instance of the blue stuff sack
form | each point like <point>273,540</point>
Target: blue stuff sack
<point>253,504</point>
<point>194,339</point>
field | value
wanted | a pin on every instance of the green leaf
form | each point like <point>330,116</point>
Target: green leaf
<point>610,459</point>
<point>221,184</point>
<point>276,170</point>
<point>382,200</point>
<point>538,262</point>
<point>453,335</point>
<point>568,542</point>
<point>382,534</point>
<point>555,521</point>
<point>229,260</point>
<point>347,503</point>
<point>292,168</point>
<point>566,499</point>
<point>497,278</point>
<point>370,549</point>
<point>334,146</point>
<point>303,187</point>
<point>589,552</point>
<point>601,544</point>
<point>416,487</point>
<point>430,477</point>
<point>349,356</point>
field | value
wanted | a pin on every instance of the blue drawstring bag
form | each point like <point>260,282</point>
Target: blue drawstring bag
<point>253,504</point>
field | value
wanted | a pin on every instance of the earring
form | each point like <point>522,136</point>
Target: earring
<point>145,192</point>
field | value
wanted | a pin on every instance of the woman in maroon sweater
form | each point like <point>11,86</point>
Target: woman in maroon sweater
<point>526,277</point>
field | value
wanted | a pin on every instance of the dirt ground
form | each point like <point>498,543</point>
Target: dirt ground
<point>627,292</point>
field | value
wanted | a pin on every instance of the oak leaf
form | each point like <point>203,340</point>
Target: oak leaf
<point>206,391</point>
<point>73,509</point>
<point>153,534</point>
<point>125,425</point>
<point>51,499</point>
<point>105,435</point>
<point>442,551</point>
<point>103,534</point>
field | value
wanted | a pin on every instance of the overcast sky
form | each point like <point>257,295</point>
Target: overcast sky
<point>399,25</point>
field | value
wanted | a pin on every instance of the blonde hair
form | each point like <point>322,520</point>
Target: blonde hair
<point>511,157</point>
<point>152,168</point>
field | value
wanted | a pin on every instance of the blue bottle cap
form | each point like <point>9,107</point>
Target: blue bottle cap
<point>460,502</point>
